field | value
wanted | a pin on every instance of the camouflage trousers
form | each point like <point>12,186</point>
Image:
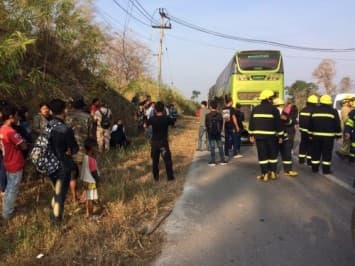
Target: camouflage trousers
<point>103,138</point>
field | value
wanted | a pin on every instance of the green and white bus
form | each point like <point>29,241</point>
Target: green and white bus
<point>247,74</point>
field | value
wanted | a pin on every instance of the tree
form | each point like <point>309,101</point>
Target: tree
<point>324,74</point>
<point>300,90</point>
<point>195,95</point>
<point>345,85</point>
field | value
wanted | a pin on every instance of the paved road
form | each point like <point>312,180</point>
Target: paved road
<point>226,217</point>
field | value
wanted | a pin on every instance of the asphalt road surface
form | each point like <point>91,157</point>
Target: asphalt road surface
<point>226,217</point>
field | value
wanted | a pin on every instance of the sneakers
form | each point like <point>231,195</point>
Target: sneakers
<point>291,173</point>
<point>211,164</point>
<point>238,156</point>
<point>220,163</point>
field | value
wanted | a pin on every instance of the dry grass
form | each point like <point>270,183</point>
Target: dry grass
<point>131,204</point>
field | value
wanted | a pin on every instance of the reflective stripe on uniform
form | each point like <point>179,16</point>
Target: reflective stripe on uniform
<point>305,114</point>
<point>315,162</point>
<point>353,144</point>
<point>262,132</point>
<point>302,155</point>
<point>323,115</point>
<point>287,162</point>
<point>280,133</point>
<point>309,157</point>
<point>263,116</point>
<point>303,129</point>
<point>264,162</point>
<point>323,134</point>
<point>273,161</point>
<point>349,122</point>
<point>326,163</point>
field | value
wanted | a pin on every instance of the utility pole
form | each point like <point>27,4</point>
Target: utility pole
<point>163,25</point>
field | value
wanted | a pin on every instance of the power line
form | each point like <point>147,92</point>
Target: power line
<point>200,43</point>
<point>250,40</point>
<point>139,10</point>
<point>130,14</point>
<point>234,49</point>
<point>143,11</point>
<point>106,17</point>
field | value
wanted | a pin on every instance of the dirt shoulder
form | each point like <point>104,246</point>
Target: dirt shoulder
<point>131,208</point>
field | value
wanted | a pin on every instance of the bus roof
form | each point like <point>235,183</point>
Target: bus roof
<point>257,51</point>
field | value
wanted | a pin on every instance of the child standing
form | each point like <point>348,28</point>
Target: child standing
<point>90,176</point>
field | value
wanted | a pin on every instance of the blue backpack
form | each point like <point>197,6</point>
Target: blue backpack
<point>173,113</point>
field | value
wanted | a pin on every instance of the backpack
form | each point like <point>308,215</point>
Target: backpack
<point>173,112</point>
<point>105,119</point>
<point>42,156</point>
<point>3,176</point>
<point>214,125</point>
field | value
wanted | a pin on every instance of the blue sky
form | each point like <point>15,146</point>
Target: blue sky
<point>193,60</point>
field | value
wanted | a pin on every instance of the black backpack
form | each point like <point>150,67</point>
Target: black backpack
<point>105,119</point>
<point>214,125</point>
<point>42,155</point>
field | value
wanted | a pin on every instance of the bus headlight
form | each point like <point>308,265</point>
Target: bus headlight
<point>273,77</point>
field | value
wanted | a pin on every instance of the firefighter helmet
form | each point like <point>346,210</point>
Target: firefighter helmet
<point>325,99</point>
<point>348,98</point>
<point>278,102</point>
<point>266,94</point>
<point>312,99</point>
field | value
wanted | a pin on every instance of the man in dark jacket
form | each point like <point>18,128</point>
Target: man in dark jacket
<point>288,120</point>
<point>231,127</point>
<point>159,142</point>
<point>349,134</point>
<point>265,129</point>
<point>304,118</point>
<point>64,145</point>
<point>324,126</point>
<point>214,124</point>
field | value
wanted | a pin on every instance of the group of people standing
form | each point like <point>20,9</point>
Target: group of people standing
<point>274,130</point>
<point>146,110</point>
<point>75,135</point>
<point>272,127</point>
<point>215,124</point>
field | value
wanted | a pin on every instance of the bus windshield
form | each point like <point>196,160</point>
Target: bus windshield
<point>258,61</point>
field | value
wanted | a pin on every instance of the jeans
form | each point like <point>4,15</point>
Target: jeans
<point>13,183</point>
<point>237,142</point>
<point>212,142</point>
<point>149,132</point>
<point>161,148</point>
<point>230,141</point>
<point>201,133</point>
